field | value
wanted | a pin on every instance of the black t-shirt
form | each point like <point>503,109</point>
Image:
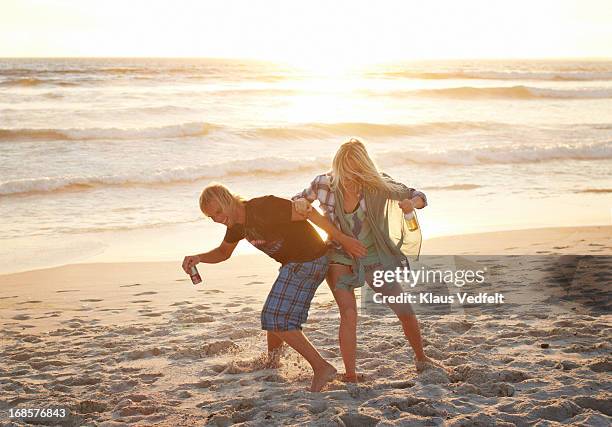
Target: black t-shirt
<point>269,228</point>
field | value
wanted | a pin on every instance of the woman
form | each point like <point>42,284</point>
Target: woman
<point>357,197</point>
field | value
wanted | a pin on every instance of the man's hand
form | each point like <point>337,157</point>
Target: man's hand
<point>406,205</point>
<point>190,261</point>
<point>352,246</point>
<point>302,206</point>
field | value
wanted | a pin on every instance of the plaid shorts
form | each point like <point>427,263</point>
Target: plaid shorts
<point>288,302</point>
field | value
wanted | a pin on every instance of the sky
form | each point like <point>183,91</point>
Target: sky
<point>308,32</point>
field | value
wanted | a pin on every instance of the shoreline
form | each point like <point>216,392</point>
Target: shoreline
<point>458,244</point>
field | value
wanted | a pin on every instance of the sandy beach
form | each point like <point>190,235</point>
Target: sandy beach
<point>138,344</point>
<point>119,120</point>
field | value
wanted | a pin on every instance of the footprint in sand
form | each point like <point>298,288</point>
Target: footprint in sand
<point>140,301</point>
<point>233,304</point>
<point>14,296</point>
<point>151,314</point>
<point>254,283</point>
<point>150,378</point>
<point>180,303</point>
<point>29,302</point>
<point>145,293</point>
<point>66,290</point>
<point>184,394</point>
<point>91,300</point>
<point>21,317</point>
<point>129,286</point>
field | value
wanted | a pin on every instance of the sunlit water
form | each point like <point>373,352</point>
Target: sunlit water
<point>104,159</point>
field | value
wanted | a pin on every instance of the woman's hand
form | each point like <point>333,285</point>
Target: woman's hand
<point>406,205</point>
<point>352,246</point>
<point>302,206</point>
<point>190,261</point>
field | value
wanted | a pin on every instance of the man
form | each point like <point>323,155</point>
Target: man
<point>273,225</point>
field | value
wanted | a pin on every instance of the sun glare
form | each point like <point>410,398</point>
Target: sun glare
<point>329,38</point>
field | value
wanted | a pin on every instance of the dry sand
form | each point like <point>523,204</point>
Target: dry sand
<point>137,343</point>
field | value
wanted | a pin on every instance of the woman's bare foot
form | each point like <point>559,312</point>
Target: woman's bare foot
<point>322,376</point>
<point>427,363</point>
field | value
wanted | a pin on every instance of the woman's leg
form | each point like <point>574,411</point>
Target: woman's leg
<point>347,333</point>
<point>412,332</point>
<point>406,316</point>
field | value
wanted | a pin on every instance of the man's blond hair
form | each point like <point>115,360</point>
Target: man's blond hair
<point>221,194</point>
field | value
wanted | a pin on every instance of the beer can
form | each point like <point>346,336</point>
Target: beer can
<point>195,276</point>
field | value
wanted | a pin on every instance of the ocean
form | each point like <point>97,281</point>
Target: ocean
<point>104,159</point>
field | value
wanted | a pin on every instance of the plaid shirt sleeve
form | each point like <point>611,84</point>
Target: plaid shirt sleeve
<point>320,189</point>
<point>309,193</point>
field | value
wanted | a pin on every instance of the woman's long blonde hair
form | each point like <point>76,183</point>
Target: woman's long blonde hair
<point>352,162</point>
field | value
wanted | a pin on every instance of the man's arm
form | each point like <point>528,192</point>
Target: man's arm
<point>219,254</point>
<point>353,246</point>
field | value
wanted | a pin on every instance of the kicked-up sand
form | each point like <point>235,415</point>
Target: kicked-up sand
<point>138,344</point>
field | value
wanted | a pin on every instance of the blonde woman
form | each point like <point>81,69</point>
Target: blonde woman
<point>356,197</point>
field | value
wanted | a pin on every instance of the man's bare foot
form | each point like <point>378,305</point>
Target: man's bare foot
<point>322,376</point>
<point>427,363</point>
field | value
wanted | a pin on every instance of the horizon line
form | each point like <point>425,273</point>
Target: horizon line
<point>514,58</point>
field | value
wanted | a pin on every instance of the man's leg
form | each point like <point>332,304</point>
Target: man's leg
<point>286,309</point>
<point>323,371</point>
<point>275,349</point>
<point>274,342</point>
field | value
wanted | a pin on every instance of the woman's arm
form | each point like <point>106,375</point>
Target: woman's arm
<point>416,198</point>
<point>309,193</point>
